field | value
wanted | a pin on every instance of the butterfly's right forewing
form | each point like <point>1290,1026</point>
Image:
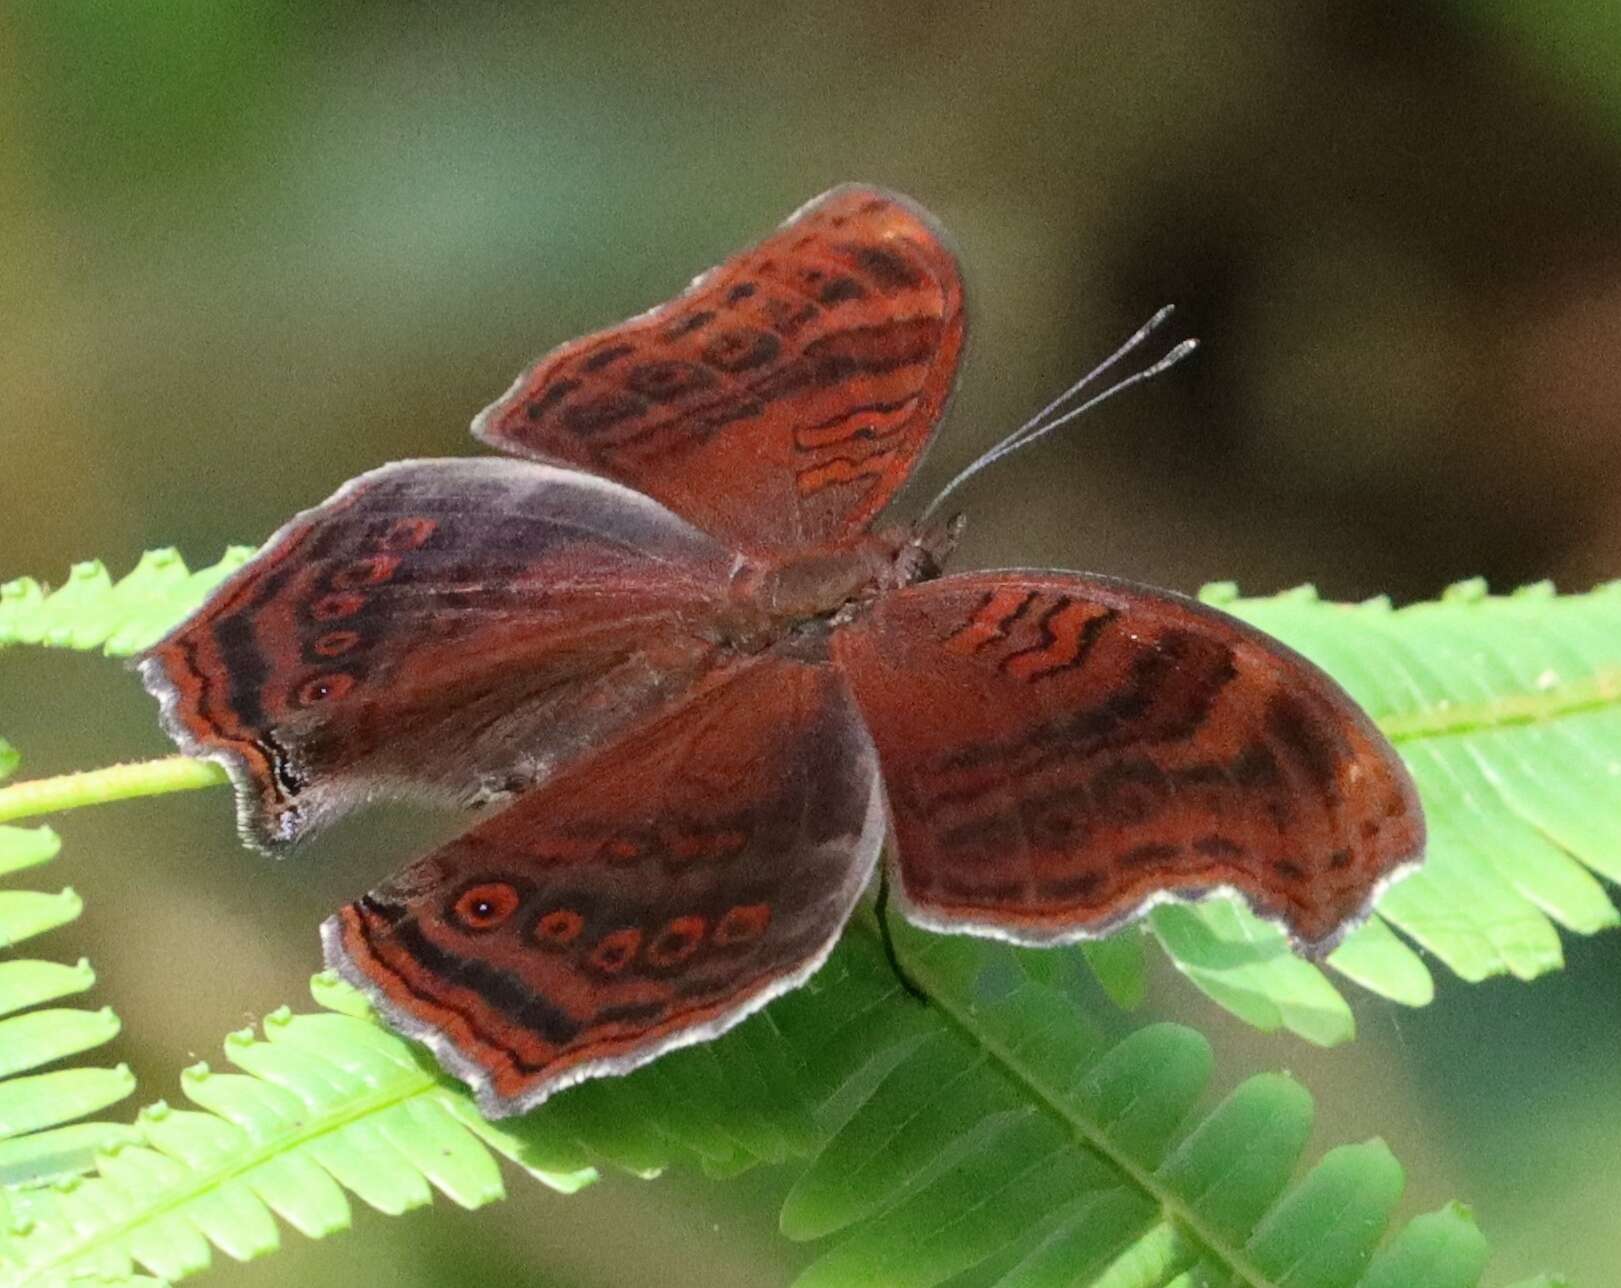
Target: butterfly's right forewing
<point>459,628</point>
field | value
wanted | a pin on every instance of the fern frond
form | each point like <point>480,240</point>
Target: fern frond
<point>1011,1145</point>
<point>90,610</point>
<point>1507,710</point>
<point>994,1138</point>
<point>39,1137</point>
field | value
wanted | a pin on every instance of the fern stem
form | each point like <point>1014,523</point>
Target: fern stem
<point>81,1246</point>
<point>114,783</point>
<point>1552,700</point>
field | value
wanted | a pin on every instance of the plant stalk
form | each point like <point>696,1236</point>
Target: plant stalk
<point>114,783</point>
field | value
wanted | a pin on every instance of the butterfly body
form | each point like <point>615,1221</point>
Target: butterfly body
<point>701,691</point>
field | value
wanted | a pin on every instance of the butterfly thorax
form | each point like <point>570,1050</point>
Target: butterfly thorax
<point>832,584</point>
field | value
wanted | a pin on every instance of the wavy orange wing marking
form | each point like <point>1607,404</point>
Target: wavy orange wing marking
<point>1117,744</point>
<point>991,621</point>
<point>879,421</point>
<point>753,817</point>
<point>841,469</point>
<point>1068,629</point>
<point>808,372</point>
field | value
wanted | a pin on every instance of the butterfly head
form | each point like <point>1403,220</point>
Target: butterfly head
<point>923,553</point>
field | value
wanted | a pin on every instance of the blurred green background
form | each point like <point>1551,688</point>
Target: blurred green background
<point>249,250</point>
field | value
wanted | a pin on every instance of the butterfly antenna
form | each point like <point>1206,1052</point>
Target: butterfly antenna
<point>1137,337</point>
<point>1045,421</point>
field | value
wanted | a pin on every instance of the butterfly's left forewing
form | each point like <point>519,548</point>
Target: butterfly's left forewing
<point>784,397</point>
<point>649,897</point>
<point>1060,751</point>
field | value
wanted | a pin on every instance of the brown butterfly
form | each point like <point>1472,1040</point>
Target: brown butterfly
<point>705,693</point>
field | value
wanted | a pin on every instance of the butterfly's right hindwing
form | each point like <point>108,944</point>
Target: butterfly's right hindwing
<point>1061,751</point>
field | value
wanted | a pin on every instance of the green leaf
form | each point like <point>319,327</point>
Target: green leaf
<point>47,1099</point>
<point>991,1137</point>
<point>1235,1162</point>
<point>1246,964</point>
<point>34,1143</point>
<point>1119,963</point>
<point>1000,1138</point>
<point>39,1037</point>
<point>1506,708</point>
<point>59,1152</point>
<point>90,610</point>
<point>1325,1230</point>
<point>1440,1250</point>
<point>26,847</point>
<point>25,983</point>
<point>26,913</point>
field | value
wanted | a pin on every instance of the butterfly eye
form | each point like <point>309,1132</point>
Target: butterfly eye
<point>485,906</point>
<point>741,924</point>
<point>323,688</point>
<point>676,942</point>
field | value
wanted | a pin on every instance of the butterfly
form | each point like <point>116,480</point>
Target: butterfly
<point>700,692</point>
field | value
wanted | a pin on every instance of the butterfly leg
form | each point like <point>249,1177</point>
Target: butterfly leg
<point>498,790</point>
<point>881,907</point>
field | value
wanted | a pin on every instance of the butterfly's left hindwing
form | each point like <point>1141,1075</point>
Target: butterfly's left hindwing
<point>651,896</point>
<point>1060,751</point>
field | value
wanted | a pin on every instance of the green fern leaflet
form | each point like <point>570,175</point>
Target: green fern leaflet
<point>1507,710</point>
<point>993,1138</point>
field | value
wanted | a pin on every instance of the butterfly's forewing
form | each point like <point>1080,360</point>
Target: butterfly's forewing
<point>649,897</point>
<point>783,398</point>
<point>457,627</point>
<point>1061,750</point>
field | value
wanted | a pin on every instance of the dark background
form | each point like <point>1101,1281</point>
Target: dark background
<point>249,250</point>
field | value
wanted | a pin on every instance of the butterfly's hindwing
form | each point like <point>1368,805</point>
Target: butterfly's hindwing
<point>1060,751</point>
<point>651,896</point>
